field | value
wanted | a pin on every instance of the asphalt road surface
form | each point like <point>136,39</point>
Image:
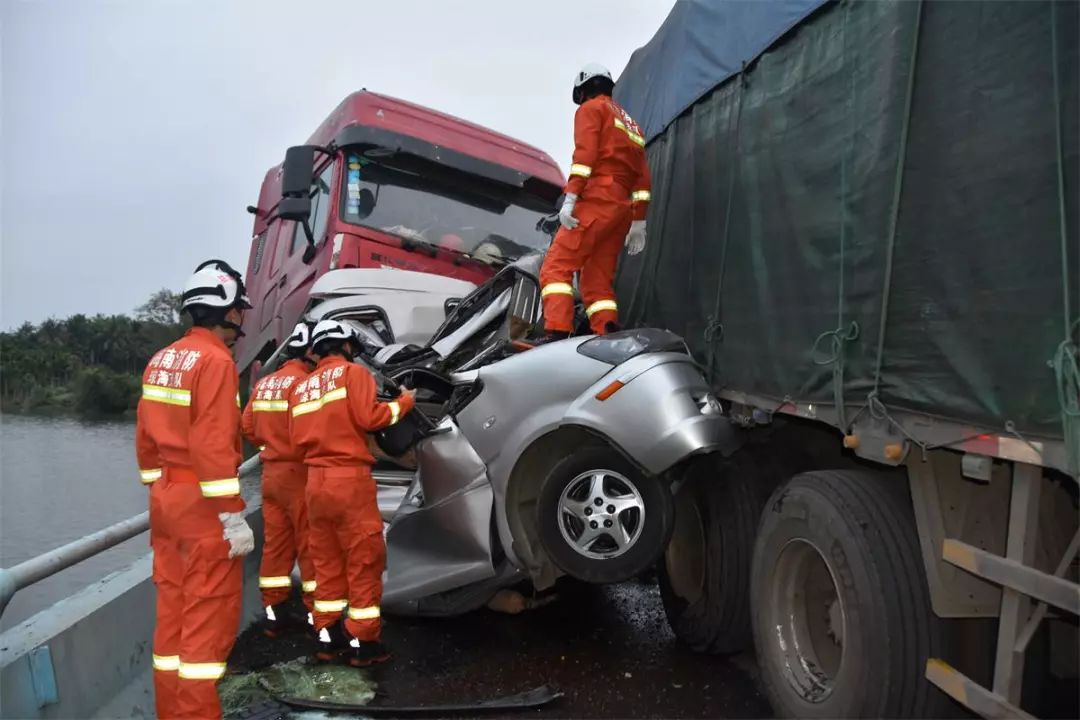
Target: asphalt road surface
<point>607,649</point>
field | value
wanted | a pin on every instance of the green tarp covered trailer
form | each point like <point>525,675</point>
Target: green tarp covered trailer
<point>868,210</point>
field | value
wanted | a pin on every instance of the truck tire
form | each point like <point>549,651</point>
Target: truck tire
<point>842,618</point>
<point>643,508</point>
<point>704,575</point>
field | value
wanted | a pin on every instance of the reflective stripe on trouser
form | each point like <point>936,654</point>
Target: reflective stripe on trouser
<point>346,544</point>
<point>285,533</point>
<point>593,250</point>
<point>198,599</point>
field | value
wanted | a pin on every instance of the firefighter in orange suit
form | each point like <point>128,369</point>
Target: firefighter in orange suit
<point>188,447</point>
<point>604,208</point>
<point>284,481</point>
<point>331,413</point>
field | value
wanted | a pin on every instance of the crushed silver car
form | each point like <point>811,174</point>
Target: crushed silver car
<point>530,461</point>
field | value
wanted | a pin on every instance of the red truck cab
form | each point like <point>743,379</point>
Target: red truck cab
<point>386,183</point>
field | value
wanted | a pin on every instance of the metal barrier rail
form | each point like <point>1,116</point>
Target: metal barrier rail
<point>38,568</point>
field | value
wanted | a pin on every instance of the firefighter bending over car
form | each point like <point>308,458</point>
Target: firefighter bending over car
<point>331,413</point>
<point>604,209</point>
<point>187,440</point>
<point>284,483</point>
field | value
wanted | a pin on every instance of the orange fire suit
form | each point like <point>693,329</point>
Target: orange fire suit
<point>331,413</point>
<point>266,425</point>
<point>610,176</point>
<point>188,445</point>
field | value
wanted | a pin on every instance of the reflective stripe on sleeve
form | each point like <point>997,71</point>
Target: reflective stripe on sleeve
<point>329,606</point>
<point>308,586</point>
<point>275,581</point>
<point>313,405</point>
<point>270,406</point>
<point>364,613</point>
<point>601,306</point>
<point>167,395</point>
<point>395,412</point>
<point>201,671</point>
<point>580,170</point>
<point>167,663</point>
<point>220,488</point>
<point>557,289</point>
<point>149,476</point>
<point>641,196</point>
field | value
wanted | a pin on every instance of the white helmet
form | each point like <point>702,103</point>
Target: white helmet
<point>327,330</point>
<point>300,338</point>
<point>214,284</point>
<point>590,71</point>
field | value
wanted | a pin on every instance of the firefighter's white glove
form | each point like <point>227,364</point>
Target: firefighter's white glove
<point>566,213</point>
<point>635,239</point>
<point>238,533</point>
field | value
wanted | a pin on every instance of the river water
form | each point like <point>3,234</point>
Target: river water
<point>59,480</point>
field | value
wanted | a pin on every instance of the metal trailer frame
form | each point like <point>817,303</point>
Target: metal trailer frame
<point>888,437</point>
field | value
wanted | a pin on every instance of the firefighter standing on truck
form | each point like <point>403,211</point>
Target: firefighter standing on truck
<point>188,447</point>
<point>604,208</point>
<point>331,413</point>
<point>284,482</point>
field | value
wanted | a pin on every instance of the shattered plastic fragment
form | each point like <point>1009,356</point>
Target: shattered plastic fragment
<point>327,683</point>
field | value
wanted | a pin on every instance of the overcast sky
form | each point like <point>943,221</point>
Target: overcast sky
<point>134,133</point>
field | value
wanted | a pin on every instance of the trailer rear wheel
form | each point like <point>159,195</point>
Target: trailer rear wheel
<point>705,572</point>
<point>843,624</point>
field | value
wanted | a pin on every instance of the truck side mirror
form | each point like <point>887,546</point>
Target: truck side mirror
<point>297,171</point>
<point>295,208</point>
<point>296,176</point>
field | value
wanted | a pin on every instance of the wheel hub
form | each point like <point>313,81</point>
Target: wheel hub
<point>601,514</point>
<point>807,613</point>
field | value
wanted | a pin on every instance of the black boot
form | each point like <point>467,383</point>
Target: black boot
<point>366,654</point>
<point>333,644</point>
<point>611,327</point>
<point>279,619</point>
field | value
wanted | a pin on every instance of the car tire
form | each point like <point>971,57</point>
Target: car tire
<point>644,510</point>
<point>705,571</point>
<point>842,619</point>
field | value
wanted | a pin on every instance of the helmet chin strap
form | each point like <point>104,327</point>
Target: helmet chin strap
<point>232,326</point>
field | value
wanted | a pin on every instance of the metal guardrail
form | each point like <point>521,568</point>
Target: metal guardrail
<point>38,568</point>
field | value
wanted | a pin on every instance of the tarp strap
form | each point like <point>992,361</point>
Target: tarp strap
<point>714,331</point>
<point>842,335</point>
<point>898,187</point>
<point>1066,361</point>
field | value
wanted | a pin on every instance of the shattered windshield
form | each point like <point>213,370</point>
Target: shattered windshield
<point>387,193</point>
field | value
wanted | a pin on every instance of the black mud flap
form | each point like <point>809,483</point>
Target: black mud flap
<point>532,699</point>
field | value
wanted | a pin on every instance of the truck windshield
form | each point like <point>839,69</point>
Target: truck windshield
<point>400,196</point>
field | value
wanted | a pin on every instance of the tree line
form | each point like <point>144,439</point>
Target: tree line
<point>90,364</point>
